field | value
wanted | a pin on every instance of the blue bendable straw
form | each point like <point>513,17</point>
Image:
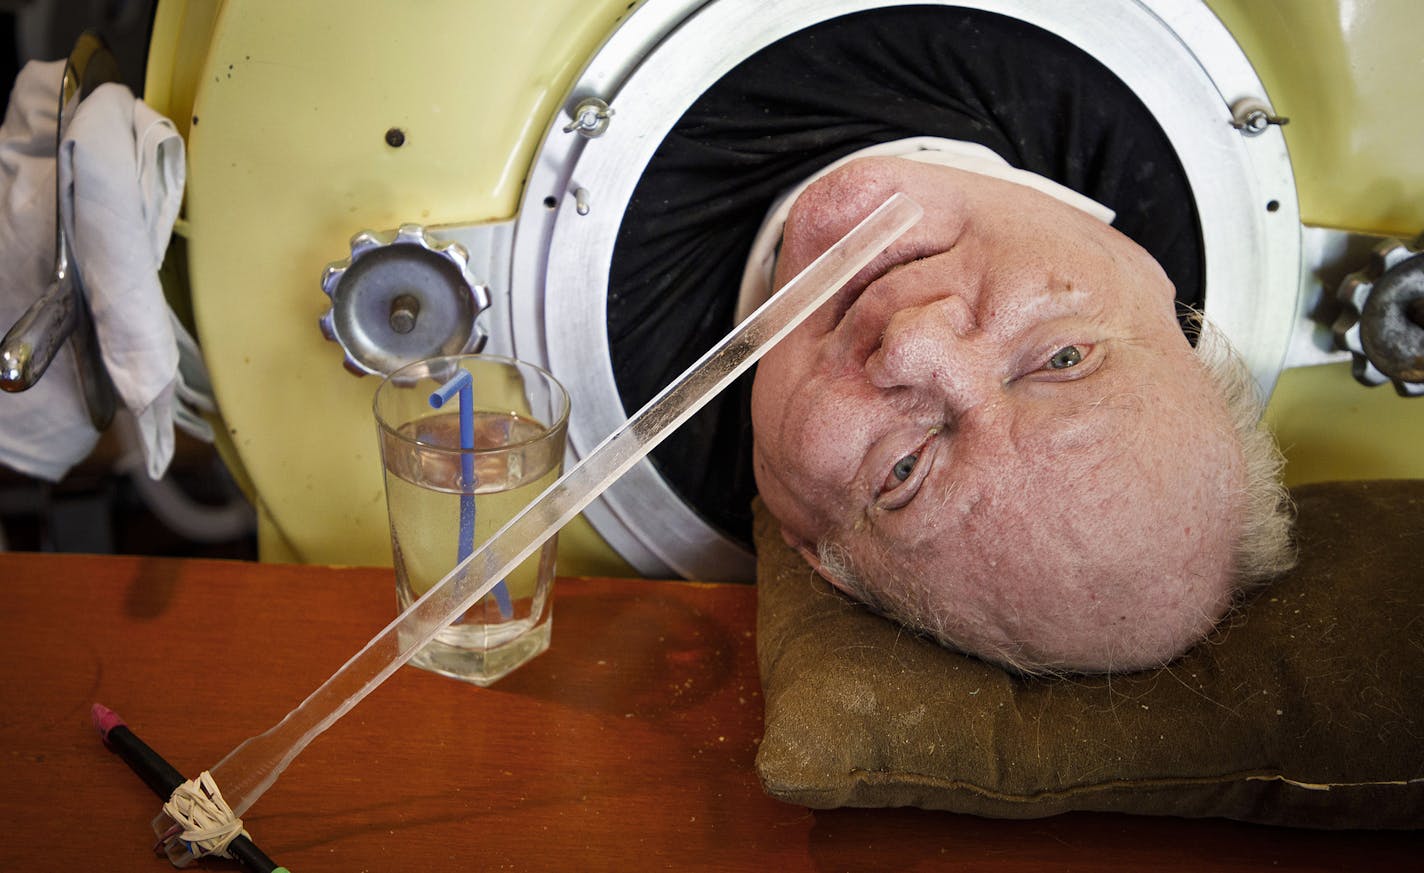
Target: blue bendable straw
<point>462,384</point>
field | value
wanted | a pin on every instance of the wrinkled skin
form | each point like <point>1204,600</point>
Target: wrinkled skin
<point>1002,425</point>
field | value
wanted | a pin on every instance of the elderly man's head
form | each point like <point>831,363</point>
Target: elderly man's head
<point>999,434</point>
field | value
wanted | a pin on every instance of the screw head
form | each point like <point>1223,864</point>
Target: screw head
<point>404,309</point>
<point>590,117</point>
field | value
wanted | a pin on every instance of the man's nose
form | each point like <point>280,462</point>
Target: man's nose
<point>931,347</point>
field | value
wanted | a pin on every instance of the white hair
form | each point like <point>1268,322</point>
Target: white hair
<point>1263,544</point>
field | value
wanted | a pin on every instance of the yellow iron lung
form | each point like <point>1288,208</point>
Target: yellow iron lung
<point>286,115</point>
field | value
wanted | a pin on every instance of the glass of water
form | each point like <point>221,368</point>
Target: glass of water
<point>466,442</point>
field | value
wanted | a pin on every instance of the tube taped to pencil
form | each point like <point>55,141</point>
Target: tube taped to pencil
<point>163,779</point>
<point>252,767</point>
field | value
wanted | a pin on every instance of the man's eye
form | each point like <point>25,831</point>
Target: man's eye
<point>908,474</point>
<point>895,493</point>
<point>904,467</point>
<point>1068,356</point>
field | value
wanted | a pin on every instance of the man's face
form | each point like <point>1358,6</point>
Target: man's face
<point>1001,417</point>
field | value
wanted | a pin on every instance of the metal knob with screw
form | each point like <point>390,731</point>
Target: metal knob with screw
<point>401,296</point>
<point>1381,320</point>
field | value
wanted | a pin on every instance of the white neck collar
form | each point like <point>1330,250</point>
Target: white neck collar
<point>761,262</point>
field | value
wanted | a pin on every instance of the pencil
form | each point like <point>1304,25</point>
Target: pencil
<point>164,779</point>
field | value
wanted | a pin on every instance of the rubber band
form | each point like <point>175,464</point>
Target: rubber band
<point>208,823</point>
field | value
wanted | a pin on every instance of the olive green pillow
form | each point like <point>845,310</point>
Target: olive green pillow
<point>1307,709</point>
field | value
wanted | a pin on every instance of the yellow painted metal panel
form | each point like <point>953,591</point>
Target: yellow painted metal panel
<point>288,158</point>
<point>1332,427</point>
<point>177,50</point>
<point>1350,76</point>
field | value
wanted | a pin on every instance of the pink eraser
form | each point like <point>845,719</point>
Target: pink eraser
<point>105,719</point>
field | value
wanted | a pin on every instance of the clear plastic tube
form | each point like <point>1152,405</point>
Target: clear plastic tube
<point>252,767</point>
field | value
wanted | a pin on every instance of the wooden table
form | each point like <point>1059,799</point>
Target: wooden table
<point>628,746</point>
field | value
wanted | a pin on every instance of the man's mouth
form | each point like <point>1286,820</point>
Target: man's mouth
<point>897,255</point>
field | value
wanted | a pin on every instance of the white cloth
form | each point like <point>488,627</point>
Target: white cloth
<point>761,262</point>
<point>43,431</point>
<point>121,173</point>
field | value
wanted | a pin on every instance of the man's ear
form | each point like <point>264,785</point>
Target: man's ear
<point>801,548</point>
<point>809,555</point>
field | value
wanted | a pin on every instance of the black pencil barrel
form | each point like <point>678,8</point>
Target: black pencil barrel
<point>249,856</point>
<point>156,773</point>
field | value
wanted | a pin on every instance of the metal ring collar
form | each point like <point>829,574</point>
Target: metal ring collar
<point>1178,59</point>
